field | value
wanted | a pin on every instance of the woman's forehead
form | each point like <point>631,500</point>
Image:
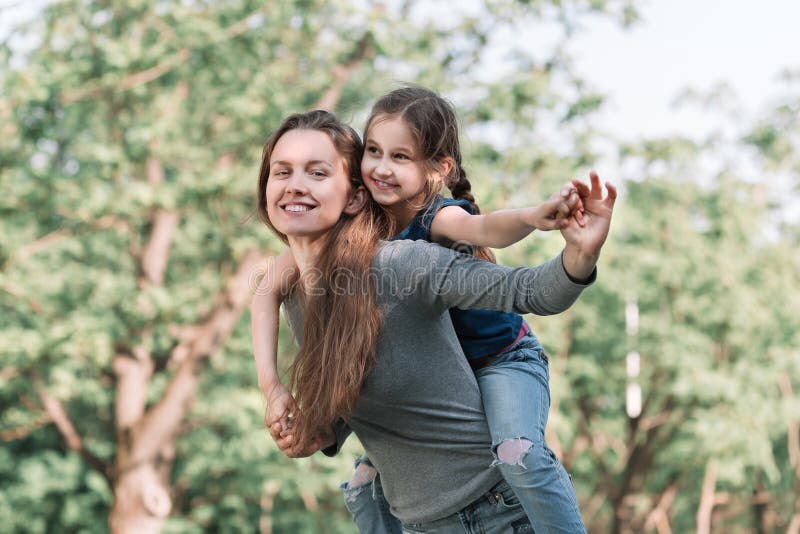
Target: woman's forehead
<point>305,145</point>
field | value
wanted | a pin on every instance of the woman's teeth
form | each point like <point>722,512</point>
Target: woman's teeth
<point>296,207</point>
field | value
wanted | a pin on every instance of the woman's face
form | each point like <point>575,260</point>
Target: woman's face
<point>308,186</point>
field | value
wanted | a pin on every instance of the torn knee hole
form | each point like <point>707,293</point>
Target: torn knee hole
<point>364,474</point>
<point>512,451</point>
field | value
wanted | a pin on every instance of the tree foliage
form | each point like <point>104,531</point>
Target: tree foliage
<point>131,134</point>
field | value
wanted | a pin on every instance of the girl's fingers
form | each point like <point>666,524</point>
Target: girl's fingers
<point>582,188</point>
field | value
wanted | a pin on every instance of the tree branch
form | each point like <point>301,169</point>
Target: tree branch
<point>658,518</point>
<point>22,431</point>
<point>707,498</point>
<point>343,73</point>
<point>96,89</point>
<point>18,293</point>
<point>37,246</point>
<point>55,411</point>
<point>785,384</point>
<point>162,420</point>
<point>155,254</point>
<point>153,73</point>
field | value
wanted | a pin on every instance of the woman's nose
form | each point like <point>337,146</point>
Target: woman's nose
<point>295,185</point>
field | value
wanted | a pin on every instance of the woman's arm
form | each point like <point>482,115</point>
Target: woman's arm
<point>265,318</point>
<point>439,279</point>
<point>502,228</point>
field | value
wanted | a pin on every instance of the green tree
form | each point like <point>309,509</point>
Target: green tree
<point>131,137</point>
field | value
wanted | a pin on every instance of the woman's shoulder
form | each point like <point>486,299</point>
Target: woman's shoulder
<point>407,254</point>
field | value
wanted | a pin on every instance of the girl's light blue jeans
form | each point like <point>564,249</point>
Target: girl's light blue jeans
<point>515,389</point>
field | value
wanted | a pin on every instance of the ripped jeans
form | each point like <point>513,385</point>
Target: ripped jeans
<point>498,511</point>
<point>515,389</point>
<point>363,497</point>
<point>516,398</point>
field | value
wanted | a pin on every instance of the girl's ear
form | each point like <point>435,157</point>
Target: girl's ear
<point>446,165</point>
<point>357,201</point>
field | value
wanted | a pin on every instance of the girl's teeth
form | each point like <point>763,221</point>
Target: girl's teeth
<point>295,207</point>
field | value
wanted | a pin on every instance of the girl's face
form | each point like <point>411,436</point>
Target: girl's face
<point>391,167</point>
<point>308,187</point>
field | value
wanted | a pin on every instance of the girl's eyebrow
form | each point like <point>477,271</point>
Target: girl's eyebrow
<point>401,147</point>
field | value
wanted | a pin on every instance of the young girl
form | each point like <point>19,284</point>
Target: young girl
<point>411,151</point>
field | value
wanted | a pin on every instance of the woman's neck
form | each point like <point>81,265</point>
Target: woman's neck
<point>305,251</point>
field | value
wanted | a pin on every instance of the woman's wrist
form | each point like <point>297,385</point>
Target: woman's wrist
<point>268,384</point>
<point>578,265</point>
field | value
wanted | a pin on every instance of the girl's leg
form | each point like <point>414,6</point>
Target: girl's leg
<point>516,397</point>
<point>363,497</point>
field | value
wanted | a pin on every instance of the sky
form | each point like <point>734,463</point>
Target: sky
<point>682,44</point>
<point>678,44</point>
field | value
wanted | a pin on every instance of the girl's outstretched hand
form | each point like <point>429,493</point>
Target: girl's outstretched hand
<point>557,211</point>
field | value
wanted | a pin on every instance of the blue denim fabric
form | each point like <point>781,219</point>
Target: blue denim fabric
<point>496,512</point>
<point>516,398</point>
<point>368,506</point>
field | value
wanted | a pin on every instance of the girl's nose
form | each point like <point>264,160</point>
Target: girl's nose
<point>382,169</point>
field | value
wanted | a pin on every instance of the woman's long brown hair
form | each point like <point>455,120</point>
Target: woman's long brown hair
<point>341,315</point>
<point>433,123</point>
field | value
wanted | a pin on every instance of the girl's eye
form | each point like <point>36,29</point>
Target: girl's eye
<point>318,174</point>
<point>372,150</point>
<point>401,156</point>
<point>280,173</point>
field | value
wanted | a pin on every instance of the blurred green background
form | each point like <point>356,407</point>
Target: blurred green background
<point>130,136</point>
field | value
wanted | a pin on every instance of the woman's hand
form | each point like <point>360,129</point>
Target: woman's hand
<point>585,241</point>
<point>280,405</point>
<point>284,439</point>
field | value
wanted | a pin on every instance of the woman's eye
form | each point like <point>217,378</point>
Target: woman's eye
<point>318,174</point>
<point>372,150</point>
<point>282,173</point>
<point>401,156</point>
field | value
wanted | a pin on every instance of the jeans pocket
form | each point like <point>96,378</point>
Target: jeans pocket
<point>505,496</point>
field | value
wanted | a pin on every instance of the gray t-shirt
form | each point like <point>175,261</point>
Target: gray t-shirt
<point>419,416</point>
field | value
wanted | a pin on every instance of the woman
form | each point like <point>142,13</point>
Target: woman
<point>376,344</point>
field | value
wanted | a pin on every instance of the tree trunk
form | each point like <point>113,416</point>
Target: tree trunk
<point>707,499</point>
<point>141,502</point>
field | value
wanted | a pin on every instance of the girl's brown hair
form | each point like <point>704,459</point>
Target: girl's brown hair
<point>433,124</point>
<point>338,302</point>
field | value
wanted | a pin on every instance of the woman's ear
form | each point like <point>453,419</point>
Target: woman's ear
<point>357,201</point>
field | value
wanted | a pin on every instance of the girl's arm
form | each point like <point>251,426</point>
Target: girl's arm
<point>502,228</point>
<point>264,313</point>
<point>437,278</point>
